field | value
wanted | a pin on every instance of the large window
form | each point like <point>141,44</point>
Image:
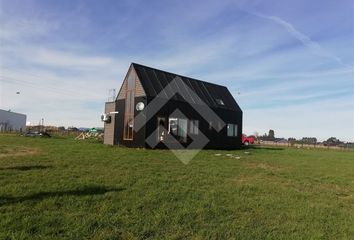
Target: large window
<point>178,128</point>
<point>232,130</point>
<point>129,107</point>
<point>194,127</point>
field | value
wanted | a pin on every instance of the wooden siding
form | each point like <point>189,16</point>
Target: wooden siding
<point>123,90</point>
<point>109,128</point>
<point>139,90</point>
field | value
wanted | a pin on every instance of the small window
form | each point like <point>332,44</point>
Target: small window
<point>194,127</point>
<point>232,130</point>
<point>220,102</point>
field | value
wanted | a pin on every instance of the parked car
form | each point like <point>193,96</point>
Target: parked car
<point>37,134</point>
<point>247,140</point>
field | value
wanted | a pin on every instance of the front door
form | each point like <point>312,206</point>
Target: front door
<point>161,129</point>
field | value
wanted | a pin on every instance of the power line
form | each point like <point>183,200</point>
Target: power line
<point>39,78</point>
<point>15,81</point>
<point>22,83</point>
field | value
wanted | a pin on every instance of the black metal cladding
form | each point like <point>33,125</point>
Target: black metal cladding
<point>154,81</point>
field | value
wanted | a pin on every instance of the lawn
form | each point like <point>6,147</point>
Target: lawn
<point>66,189</point>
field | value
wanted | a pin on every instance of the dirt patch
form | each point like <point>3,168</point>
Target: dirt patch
<point>14,151</point>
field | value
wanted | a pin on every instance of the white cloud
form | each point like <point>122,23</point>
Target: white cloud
<point>187,56</point>
<point>17,30</point>
<point>304,39</point>
<point>67,83</point>
<point>64,88</point>
<point>68,60</point>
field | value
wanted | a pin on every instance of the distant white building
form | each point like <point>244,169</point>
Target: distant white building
<point>12,122</point>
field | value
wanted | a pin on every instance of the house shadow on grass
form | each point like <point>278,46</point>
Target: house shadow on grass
<point>26,168</point>
<point>86,191</point>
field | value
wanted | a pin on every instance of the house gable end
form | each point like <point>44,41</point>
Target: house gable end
<point>139,90</point>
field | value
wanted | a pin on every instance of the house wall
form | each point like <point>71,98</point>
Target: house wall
<point>123,91</point>
<point>138,136</point>
<point>11,121</point>
<point>218,140</point>
<point>109,128</point>
<point>139,90</point>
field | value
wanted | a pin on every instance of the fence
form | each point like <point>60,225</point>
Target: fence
<point>304,145</point>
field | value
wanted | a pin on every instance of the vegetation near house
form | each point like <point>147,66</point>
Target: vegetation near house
<point>309,140</point>
<point>61,188</point>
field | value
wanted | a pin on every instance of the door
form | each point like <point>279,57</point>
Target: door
<point>161,129</point>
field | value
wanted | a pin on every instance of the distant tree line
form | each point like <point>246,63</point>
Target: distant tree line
<point>332,141</point>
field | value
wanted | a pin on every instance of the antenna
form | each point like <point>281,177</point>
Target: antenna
<point>111,95</point>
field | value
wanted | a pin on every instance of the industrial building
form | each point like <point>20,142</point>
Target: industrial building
<point>12,121</point>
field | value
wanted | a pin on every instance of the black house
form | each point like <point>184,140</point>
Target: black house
<point>159,109</point>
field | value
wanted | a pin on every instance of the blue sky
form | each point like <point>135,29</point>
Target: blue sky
<point>289,64</point>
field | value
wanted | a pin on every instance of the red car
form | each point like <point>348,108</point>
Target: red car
<point>247,140</point>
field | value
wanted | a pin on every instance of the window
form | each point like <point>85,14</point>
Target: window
<point>194,127</point>
<point>220,102</point>
<point>129,107</point>
<point>129,116</point>
<point>173,126</point>
<point>182,128</point>
<point>232,130</point>
<point>178,127</point>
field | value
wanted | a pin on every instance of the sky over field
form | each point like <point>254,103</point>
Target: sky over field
<point>289,64</point>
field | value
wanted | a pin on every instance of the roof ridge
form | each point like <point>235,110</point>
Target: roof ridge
<point>138,64</point>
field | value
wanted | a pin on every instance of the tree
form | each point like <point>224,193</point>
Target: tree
<point>309,140</point>
<point>271,134</point>
<point>332,141</point>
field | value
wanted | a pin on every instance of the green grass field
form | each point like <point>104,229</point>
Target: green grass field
<point>65,189</point>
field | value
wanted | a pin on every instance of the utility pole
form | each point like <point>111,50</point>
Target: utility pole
<point>111,95</point>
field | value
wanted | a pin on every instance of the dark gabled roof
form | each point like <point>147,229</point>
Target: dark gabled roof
<point>154,80</point>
